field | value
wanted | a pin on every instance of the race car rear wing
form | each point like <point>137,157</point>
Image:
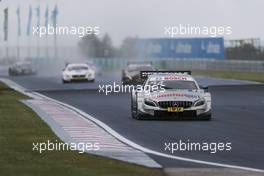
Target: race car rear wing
<point>145,74</point>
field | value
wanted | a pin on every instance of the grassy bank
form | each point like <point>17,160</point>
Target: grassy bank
<point>20,127</point>
<point>251,76</point>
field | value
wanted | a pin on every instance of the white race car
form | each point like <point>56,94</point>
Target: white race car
<point>78,72</point>
<point>170,95</point>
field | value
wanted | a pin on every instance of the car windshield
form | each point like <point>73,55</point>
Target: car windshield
<point>77,68</point>
<point>174,84</point>
<point>24,66</point>
<point>140,68</point>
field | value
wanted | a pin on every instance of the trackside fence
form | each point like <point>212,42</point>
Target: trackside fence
<point>187,64</point>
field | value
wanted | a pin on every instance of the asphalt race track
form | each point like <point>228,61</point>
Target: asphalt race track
<point>237,118</point>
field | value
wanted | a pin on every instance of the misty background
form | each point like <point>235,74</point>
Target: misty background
<point>122,18</point>
<point>121,22</point>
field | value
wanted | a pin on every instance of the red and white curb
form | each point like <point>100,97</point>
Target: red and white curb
<point>71,127</point>
<point>137,154</point>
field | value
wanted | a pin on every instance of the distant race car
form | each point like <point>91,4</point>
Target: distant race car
<point>177,95</point>
<point>131,74</point>
<point>22,68</point>
<point>78,72</point>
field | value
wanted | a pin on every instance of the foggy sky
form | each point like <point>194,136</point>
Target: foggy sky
<point>121,18</point>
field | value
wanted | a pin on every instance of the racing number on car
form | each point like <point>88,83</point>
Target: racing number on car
<point>175,109</point>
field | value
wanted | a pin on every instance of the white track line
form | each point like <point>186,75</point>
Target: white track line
<point>128,142</point>
<point>146,150</point>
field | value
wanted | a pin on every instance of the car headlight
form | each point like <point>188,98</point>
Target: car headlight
<point>149,102</point>
<point>90,73</point>
<point>199,102</point>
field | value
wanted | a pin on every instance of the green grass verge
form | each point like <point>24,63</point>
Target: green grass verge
<point>250,76</point>
<point>20,127</point>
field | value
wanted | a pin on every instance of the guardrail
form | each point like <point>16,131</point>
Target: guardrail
<point>111,64</point>
<point>114,64</point>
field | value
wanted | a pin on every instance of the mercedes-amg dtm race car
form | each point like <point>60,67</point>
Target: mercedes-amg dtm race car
<point>177,95</point>
<point>78,72</point>
<point>22,68</point>
<point>131,74</point>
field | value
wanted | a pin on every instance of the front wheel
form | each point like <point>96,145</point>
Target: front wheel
<point>134,108</point>
<point>64,81</point>
<point>10,73</point>
<point>207,117</point>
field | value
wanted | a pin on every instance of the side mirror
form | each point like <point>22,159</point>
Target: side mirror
<point>205,88</point>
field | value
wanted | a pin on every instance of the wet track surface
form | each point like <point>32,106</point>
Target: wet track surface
<point>237,118</point>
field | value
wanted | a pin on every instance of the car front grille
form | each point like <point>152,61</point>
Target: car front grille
<point>166,104</point>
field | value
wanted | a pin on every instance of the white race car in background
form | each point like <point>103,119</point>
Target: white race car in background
<point>177,96</point>
<point>131,74</point>
<point>78,72</point>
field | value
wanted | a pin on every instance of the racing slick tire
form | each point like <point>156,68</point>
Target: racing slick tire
<point>10,73</point>
<point>134,109</point>
<point>125,81</point>
<point>64,81</point>
<point>206,117</point>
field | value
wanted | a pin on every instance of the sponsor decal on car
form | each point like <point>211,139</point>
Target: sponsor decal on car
<point>175,78</point>
<point>177,95</point>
